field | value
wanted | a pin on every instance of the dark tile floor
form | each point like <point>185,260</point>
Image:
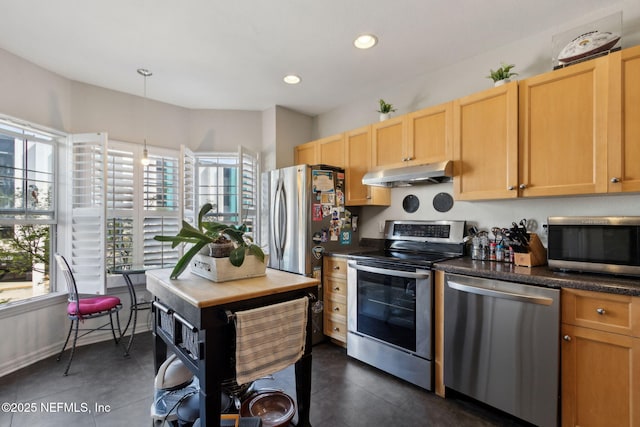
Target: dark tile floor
<point>345,393</point>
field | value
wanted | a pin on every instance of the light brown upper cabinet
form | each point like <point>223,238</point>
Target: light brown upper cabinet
<point>420,137</point>
<point>388,142</point>
<point>358,162</point>
<point>306,154</point>
<point>331,150</point>
<point>429,134</point>
<point>485,144</point>
<point>326,151</point>
<point>624,121</point>
<point>563,131</point>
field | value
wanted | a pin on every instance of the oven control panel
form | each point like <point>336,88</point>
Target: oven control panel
<point>442,231</point>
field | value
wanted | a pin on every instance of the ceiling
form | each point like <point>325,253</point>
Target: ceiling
<point>233,54</point>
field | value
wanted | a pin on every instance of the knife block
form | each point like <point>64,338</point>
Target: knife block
<point>537,254</point>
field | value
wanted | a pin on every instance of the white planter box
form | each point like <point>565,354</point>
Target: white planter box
<point>221,269</point>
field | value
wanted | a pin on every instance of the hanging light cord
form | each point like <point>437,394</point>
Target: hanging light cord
<point>145,154</point>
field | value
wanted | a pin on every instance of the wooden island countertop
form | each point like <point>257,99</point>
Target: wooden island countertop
<point>201,293</point>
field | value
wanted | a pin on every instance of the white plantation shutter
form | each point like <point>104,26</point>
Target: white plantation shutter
<point>161,210</point>
<point>160,253</point>
<point>248,195</point>
<point>188,180</point>
<point>121,194</point>
<point>88,204</point>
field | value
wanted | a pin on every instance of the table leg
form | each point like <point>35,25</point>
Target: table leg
<point>210,375</point>
<point>303,389</point>
<point>159,351</point>
<point>133,312</point>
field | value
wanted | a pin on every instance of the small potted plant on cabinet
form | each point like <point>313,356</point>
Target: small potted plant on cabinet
<point>502,74</point>
<point>385,110</point>
<point>216,248</point>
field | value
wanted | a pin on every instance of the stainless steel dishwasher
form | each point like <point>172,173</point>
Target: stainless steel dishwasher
<point>501,345</point>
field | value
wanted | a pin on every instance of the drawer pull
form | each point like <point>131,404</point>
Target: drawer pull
<point>336,267</point>
<point>600,311</point>
<point>336,309</point>
<point>337,288</point>
<point>566,338</point>
<point>336,329</point>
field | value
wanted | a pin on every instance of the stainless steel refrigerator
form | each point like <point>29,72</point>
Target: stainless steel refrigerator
<point>303,215</point>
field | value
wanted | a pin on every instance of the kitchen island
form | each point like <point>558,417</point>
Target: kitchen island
<point>193,318</point>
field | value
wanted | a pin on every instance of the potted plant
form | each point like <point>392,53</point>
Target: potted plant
<point>206,235</point>
<point>385,110</point>
<point>502,74</point>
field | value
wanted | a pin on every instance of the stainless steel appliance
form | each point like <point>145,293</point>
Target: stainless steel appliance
<point>501,345</point>
<point>430,173</point>
<point>604,244</point>
<point>304,215</point>
<point>390,298</point>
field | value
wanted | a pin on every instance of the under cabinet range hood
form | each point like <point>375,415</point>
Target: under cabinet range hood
<point>430,173</point>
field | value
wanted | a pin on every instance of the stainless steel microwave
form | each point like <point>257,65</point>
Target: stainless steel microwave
<point>600,244</point>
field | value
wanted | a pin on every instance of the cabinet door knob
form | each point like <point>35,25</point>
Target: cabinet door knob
<point>511,188</point>
<point>522,186</point>
<point>336,309</point>
<point>615,179</point>
<point>336,329</point>
<point>566,338</point>
<point>337,288</point>
<point>336,267</point>
<point>600,311</point>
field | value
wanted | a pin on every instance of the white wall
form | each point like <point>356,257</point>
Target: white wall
<point>33,94</point>
<point>494,213</point>
<point>292,128</point>
<point>37,333</point>
<point>532,56</point>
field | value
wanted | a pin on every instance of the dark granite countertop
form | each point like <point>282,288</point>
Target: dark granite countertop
<point>542,276</point>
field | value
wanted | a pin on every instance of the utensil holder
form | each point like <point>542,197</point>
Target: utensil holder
<point>537,254</point>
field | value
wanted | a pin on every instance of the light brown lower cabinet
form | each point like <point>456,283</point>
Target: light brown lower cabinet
<point>600,368</point>
<point>334,283</point>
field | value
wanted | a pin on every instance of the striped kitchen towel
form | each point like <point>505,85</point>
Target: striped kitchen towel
<point>270,338</point>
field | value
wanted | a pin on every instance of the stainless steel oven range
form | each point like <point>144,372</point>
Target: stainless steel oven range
<point>390,297</point>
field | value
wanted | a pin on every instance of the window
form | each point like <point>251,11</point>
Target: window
<point>140,202</point>
<point>27,209</point>
<point>161,210</point>
<point>137,213</point>
<point>229,181</point>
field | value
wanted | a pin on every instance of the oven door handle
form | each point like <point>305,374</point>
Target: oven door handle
<point>388,272</point>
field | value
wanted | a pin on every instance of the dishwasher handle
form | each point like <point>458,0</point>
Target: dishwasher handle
<point>481,290</point>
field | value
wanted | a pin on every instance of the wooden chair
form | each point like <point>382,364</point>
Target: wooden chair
<point>81,309</point>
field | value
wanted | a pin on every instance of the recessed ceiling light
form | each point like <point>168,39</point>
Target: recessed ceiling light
<point>292,79</point>
<point>365,41</point>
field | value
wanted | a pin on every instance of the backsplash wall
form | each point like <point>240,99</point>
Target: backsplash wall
<point>495,213</point>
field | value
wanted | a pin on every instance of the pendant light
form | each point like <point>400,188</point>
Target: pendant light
<point>145,154</point>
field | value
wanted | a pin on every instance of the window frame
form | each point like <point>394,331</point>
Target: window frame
<point>58,143</point>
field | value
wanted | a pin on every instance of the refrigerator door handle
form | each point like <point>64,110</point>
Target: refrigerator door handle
<point>280,219</point>
<point>275,220</point>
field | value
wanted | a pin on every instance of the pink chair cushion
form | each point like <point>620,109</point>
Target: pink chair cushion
<point>93,305</point>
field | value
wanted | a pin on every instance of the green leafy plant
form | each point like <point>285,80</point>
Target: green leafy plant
<point>504,72</point>
<point>385,108</point>
<point>211,232</point>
